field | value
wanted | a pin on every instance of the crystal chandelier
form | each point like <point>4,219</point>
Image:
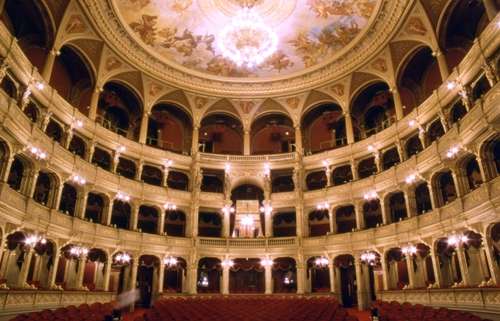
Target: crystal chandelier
<point>247,41</point>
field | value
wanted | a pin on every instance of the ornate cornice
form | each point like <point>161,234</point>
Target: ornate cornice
<point>108,25</point>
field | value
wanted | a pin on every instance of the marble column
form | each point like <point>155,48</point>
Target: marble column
<point>107,274</point>
<point>442,64</point>
<point>298,139</point>
<point>195,140</point>
<point>438,277</point>
<point>144,128</point>
<point>332,220</point>
<point>161,277</point>
<point>225,280</point>
<point>301,278</point>
<point>410,266</point>
<point>349,128</point>
<point>462,262</point>
<point>49,65</point>
<point>53,269</point>
<point>385,272</point>
<point>398,105</point>
<point>331,274</point>
<point>358,212</point>
<point>246,142</point>
<point>134,217</point>
<point>268,279</point>
<point>361,292</point>
<point>133,278</point>
<point>161,223</point>
<point>94,101</point>
<point>23,273</point>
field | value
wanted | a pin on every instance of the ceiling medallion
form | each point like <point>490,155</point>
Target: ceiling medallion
<point>247,41</point>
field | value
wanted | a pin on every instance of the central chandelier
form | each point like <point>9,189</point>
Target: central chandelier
<point>247,41</point>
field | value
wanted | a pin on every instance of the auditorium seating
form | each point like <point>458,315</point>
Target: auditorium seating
<point>94,312</point>
<point>395,311</point>
<point>247,308</point>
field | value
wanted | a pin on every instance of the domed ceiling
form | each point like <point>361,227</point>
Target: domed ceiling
<point>194,33</point>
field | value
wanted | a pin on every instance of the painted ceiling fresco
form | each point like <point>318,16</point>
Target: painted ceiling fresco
<point>310,32</point>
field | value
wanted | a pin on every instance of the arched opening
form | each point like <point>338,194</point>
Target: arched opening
<point>32,112</point>
<point>93,276</point>
<point>444,186</point>
<point>213,181</point>
<point>14,257</point>
<point>367,167</point>
<point>284,274</point>
<point>397,206</point>
<point>316,180</point>
<point>390,158</point>
<point>246,276</point>
<point>77,146</point>
<point>178,180</point>
<point>152,175</point>
<point>147,220</point>
<point>471,170</point>
<point>54,131</point>
<point>342,175</point>
<point>120,110</point>
<point>282,181</point>
<point>478,270</point>
<point>318,275</point>
<point>324,128</point>
<point>18,174</point>
<point>175,223</point>
<point>435,131</point>
<point>41,264</point>
<point>70,262</point>
<point>345,218</point>
<point>346,274</point>
<point>372,214</point>
<point>490,157</point>
<point>419,77</point>
<point>284,224</point>
<point>221,134</point>
<point>45,189</point>
<point>69,197</point>
<point>457,111</point>
<point>465,21</point>
<point>29,22</point>
<point>209,224</point>
<point>372,110</point>
<point>397,276</point>
<point>126,168</point>
<point>423,198</point>
<point>120,214</point>
<point>94,209</point>
<point>480,87</point>
<point>272,134</point>
<point>448,263</point>
<point>237,228</point>
<point>170,128</point>
<point>9,87</point>
<point>493,245</point>
<point>101,158</point>
<point>319,223</point>
<point>174,275</point>
<point>209,275</point>
<point>73,78</point>
<point>120,273</point>
<point>147,280</point>
<point>422,265</point>
<point>413,146</point>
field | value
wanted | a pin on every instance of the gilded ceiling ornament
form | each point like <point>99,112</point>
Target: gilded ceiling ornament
<point>112,63</point>
<point>293,102</point>
<point>247,3</point>
<point>338,89</point>
<point>75,24</point>
<point>415,26</point>
<point>380,65</point>
<point>200,102</point>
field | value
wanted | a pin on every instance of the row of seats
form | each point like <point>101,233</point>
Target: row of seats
<point>395,311</point>
<point>247,308</point>
<point>84,312</point>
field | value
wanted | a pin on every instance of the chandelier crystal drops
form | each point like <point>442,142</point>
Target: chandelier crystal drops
<point>247,41</point>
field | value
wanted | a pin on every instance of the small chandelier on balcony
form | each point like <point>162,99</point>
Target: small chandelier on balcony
<point>78,251</point>
<point>33,240</point>
<point>122,258</point>
<point>369,258</point>
<point>247,41</point>
<point>170,261</point>
<point>321,262</point>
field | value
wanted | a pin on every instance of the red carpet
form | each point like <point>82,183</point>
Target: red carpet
<point>131,316</point>
<point>361,315</point>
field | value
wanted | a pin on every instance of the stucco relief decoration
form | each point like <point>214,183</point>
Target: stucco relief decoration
<point>200,102</point>
<point>379,65</point>
<point>293,102</point>
<point>415,26</point>
<point>75,24</point>
<point>112,63</point>
<point>246,106</point>
<point>186,32</point>
<point>154,89</point>
<point>338,89</point>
